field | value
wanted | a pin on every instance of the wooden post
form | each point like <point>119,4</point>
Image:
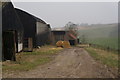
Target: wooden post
<point>30,44</point>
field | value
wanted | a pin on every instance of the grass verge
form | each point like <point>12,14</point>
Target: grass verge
<point>29,60</point>
<point>108,58</point>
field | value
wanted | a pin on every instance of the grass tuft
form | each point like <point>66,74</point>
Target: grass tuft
<point>108,58</point>
<point>29,60</point>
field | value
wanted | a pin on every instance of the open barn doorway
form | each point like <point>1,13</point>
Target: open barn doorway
<point>9,45</point>
<point>72,42</point>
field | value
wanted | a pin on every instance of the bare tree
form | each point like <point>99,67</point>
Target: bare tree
<point>73,28</point>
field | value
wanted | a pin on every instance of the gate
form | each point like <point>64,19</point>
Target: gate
<point>28,44</point>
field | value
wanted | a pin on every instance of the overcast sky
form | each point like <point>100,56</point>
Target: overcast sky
<point>57,14</point>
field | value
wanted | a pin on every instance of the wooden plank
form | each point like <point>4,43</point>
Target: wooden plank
<point>28,44</point>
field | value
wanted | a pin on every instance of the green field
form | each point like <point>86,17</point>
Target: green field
<point>103,35</point>
<point>105,42</point>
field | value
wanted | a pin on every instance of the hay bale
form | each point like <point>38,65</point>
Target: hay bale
<point>66,44</point>
<point>59,44</point>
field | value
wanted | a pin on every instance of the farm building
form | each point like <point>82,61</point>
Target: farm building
<point>12,32</point>
<point>64,35</point>
<point>34,28</point>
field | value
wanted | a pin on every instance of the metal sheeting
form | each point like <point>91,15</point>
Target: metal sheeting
<point>42,34</point>
<point>34,28</point>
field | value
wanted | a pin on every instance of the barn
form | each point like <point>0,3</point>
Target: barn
<point>12,32</point>
<point>35,29</point>
<point>64,35</point>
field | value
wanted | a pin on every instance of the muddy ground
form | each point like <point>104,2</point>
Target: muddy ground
<point>69,63</point>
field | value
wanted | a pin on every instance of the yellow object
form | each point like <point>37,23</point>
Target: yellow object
<point>64,44</point>
<point>59,44</point>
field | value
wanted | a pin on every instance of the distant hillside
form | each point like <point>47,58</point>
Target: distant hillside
<point>99,31</point>
<point>105,35</point>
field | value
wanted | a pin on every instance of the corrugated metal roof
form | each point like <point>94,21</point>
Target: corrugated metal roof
<point>37,19</point>
<point>40,20</point>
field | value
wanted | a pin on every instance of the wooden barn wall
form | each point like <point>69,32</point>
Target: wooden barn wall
<point>43,34</point>
<point>29,24</point>
<point>10,21</point>
<point>59,35</point>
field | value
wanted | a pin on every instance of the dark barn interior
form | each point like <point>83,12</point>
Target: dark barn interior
<point>9,45</point>
<point>72,42</point>
<point>12,32</point>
